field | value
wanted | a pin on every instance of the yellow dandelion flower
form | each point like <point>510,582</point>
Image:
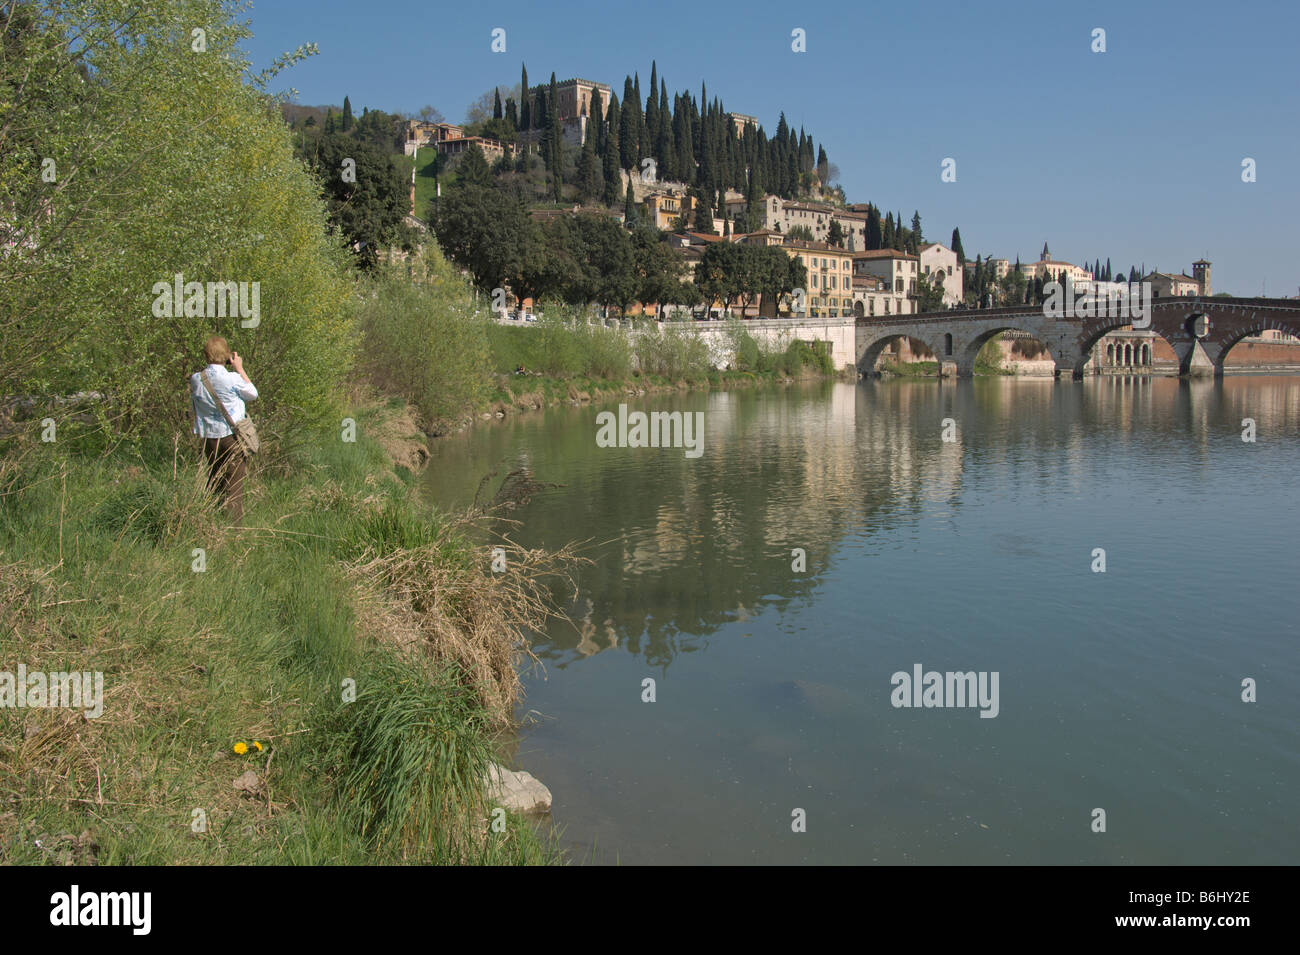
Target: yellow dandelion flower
<point>241,748</point>
<point>258,745</point>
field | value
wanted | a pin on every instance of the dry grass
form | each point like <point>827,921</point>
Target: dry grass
<point>413,601</point>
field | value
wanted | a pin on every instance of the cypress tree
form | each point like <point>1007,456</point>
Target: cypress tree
<point>956,247</point>
<point>347,115</point>
<point>887,237</point>
<point>652,115</point>
<point>638,108</point>
<point>525,100</point>
<point>610,161</point>
<point>703,214</point>
<point>556,132</point>
<point>916,231</point>
<point>629,127</point>
<point>512,112</point>
<point>823,165</point>
<point>629,206</point>
<point>684,139</point>
<point>588,167</point>
<point>497,112</point>
<point>596,125</point>
<point>664,135</point>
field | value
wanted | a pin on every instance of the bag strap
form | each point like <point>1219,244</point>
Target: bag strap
<point>224,413</point>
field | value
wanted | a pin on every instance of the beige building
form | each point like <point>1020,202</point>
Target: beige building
<point>1050,269</point>
<point>874,296</point>
<point>938,264</point>
<point>420,134</point>
<point>1165,285</point>
<point>573,97</point>
<point>739,121</point>
<point>492,149</point>
<point>899,269</point>
<point>782,215</point>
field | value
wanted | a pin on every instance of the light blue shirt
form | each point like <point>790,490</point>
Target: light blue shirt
<point>233,392</point>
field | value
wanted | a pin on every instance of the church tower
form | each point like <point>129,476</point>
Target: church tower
<point>1201,272</point>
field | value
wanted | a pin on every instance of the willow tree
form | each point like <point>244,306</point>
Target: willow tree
<point>136,146</point>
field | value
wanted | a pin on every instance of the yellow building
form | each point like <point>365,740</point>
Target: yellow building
<point>829,292</point>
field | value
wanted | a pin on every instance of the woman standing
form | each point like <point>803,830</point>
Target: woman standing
<point>221,450</point>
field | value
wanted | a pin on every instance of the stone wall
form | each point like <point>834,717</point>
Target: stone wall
<point>772,335</point>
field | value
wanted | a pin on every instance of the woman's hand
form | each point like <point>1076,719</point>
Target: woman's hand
<point>236,362</point>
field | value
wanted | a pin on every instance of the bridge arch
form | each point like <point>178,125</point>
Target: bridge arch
<point>1120,355</point>
<point>1230,339</point>
<point>871,353</point>
<point>971,348</point>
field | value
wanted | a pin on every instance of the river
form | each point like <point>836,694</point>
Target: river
<point>773,735</point>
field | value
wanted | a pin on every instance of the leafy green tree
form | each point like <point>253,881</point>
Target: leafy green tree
<point>483,231</point>
<point>369,209</point>
<point>929,297</point>
<point>659,269</point>
<point>606,251</point>
<point>835,234</point>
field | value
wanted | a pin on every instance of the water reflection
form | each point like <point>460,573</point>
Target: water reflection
<point>1118,689</point>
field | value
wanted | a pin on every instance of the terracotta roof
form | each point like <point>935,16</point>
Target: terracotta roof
<point>884,254</point>
<point>815,246</point>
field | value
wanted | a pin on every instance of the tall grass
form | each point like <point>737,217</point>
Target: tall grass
<point>423,339</point>
<point>98,572</point>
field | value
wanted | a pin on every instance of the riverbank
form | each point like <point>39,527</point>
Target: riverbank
<point>325,685</point>
<point>534,392</point>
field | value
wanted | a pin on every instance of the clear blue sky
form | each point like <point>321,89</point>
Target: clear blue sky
<point>1134,153</point>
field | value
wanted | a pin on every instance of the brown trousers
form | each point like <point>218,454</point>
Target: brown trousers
<point>226,471</point>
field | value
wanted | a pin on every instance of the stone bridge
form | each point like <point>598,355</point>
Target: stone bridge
<point>956,336</point>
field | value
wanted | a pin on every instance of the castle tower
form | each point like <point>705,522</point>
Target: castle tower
<point>1201,272</point>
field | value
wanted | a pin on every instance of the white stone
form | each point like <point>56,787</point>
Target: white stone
<point>516,791</point>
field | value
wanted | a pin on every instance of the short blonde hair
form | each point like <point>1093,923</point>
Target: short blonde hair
<point>216,351</point>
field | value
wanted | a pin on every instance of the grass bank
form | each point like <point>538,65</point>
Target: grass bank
<point>353,635</point>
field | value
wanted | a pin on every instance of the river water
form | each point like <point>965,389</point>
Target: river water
<point>774,683</point>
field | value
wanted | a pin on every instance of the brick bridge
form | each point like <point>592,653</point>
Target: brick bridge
<point>956,336</point>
